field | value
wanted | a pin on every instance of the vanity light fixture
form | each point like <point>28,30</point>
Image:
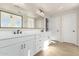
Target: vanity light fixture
<point>40,12</point>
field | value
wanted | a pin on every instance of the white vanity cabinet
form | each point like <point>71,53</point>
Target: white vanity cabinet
<point>22,45</point>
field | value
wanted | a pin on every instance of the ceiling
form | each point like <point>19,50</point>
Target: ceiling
<point>32,8</point>
<point>51,7</point>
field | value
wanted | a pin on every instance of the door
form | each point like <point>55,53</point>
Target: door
<point>58,28</point>
<point>69,28</point>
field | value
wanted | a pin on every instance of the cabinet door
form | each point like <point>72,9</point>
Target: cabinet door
<point>11,50</point>
<point>57,28</point>
<point>25,48</point>
<point>39,42</point>
<point>69,28</point>
<point>32,45</point>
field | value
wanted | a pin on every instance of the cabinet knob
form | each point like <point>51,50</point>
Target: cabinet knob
<point>14,32</point>
<point>20,32</point>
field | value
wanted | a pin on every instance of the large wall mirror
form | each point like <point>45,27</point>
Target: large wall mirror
<point>30,22</point>
<point>39,23</point>
<point>33,23</point>
<point>9,20</point>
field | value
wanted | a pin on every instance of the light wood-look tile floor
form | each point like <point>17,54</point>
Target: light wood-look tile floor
<point>60,49</point>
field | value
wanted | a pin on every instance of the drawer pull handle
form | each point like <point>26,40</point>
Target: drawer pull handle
<point>21,46</point>
<point>24,45</point>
